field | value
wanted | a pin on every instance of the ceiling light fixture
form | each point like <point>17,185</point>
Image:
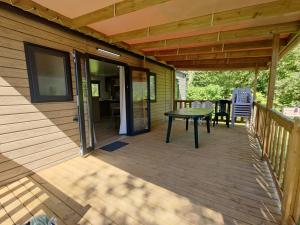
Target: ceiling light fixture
<point>108,52</point>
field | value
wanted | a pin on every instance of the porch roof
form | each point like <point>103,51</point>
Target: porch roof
<point>188,34</point>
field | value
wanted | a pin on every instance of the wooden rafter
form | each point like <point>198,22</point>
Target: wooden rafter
<point>117,9</point>
<point>41,11</point>
<point>251,13</point>
<point>294,41</point>
<point>263,60</point>
<point>211,67</point>
<point>233,35</point>
<point>225,47</point>
<point>220,62</point>
<point>218,55</point>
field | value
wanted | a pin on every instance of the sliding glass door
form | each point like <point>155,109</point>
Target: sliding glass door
<point>84,98</point>
<point>139,98</point>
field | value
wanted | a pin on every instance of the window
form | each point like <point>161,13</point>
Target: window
<point>95,86</point>
<point>49,74</point>
<point>152,87</point>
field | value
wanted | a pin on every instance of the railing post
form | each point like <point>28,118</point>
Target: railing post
<point>292,175</point>
<point>175,105</point>
<point>271,89</point>
<point>256,118</point>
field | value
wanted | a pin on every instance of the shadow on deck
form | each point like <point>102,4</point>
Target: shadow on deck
<point>151,182</point>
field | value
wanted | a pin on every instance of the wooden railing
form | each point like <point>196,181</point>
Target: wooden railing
<point>279,138</point>
<point>179,104</point>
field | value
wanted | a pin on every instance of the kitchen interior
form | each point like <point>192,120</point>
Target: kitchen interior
<point>105,86</point>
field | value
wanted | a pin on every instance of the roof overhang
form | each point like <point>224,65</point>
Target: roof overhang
<point>190,34</point>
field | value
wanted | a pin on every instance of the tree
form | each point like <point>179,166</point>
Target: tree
<point>215,85</point>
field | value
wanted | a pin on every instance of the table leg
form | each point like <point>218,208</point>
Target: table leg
<point>169,129</point>
<point>208,123</point>
<point>186,124</point>
<point>196,131</point>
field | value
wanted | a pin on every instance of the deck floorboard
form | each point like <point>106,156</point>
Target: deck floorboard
<point>150,182</point>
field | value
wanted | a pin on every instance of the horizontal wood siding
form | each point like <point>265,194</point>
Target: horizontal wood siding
<point>164,97</point>
<point>34,136</point>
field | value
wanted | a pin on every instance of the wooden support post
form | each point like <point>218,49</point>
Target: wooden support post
<point>291,178</point>
<point>273,67</point>
<point>271,88</point>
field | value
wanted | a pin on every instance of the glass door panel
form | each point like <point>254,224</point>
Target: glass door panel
<point>84,102</point>
<point>140,100</point>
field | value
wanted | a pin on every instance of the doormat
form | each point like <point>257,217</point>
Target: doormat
<point>113,146</point>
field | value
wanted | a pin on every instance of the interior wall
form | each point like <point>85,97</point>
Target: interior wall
<point>38,135</point>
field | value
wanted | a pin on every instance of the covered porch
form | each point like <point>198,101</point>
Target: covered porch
<point>237,176</point>
<point>151,182</point>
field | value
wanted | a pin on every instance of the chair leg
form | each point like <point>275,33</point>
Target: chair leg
<point>186,124</point>
<point>227,121</point>
<point>214,121</point>
<point>208,124</point>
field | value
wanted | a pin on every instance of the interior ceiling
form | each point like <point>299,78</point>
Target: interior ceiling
<point>100,68</point>
<point>154,26</point>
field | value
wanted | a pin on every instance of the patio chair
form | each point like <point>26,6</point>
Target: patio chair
<point>242,102</point>
<point>222,108</point>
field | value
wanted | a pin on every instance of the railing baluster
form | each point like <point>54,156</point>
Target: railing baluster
<point>271,134</point>
<point>282,157</point>
<point>277,150</point>
<point>274,142</point>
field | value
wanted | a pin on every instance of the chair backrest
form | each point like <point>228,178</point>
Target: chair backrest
<point>207,104</point>
<point>241,95</point>
<point>196,104</point>
<point>223,106</point>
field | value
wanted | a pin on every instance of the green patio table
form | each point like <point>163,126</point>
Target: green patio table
<point>189,113</point>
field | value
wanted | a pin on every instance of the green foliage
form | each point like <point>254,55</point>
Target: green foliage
<point>210,92</point>
<point>219,85</point>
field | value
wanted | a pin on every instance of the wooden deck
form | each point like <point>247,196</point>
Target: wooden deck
<point>151,182</point>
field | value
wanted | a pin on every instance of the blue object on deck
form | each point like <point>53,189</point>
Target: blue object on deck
<point>41,220</point>
<point>114,146</point>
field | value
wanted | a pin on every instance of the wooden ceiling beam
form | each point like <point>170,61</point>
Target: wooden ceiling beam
<point>225,47</point>
<point>249,14</point>
<point>293,42</point>
<point>210,67</point>
<point>41,11</point>
<point>117,9</point>
<point>219,55</point>
<point>262,60</point>
<point>233,35</point>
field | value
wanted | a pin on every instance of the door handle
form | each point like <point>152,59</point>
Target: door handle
<point>75,118</point>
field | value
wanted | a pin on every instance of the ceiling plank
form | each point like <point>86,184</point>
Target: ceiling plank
<point>254,32</point>
<point>219,55</point>
<point>222,61</point>
<point>41,11</point>
<point>211,67</point>
<point>117,9</point>
<point>249,14</point>
<point>226,47</point>
<point>225,68</point>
